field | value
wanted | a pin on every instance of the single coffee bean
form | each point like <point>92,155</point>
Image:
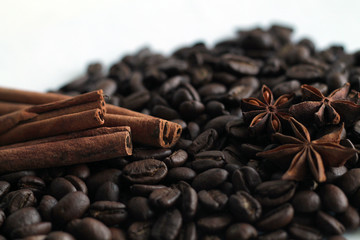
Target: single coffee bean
<point>212,89</point>
<point>181,174</point>
<point>30,230</point>
<point>21,218</point>
<point>96,180</point>
<point>167,226</point>
<point>188,232</point>
<point>204,141</point>
<point>58,235</point>
<point>205,164</point>
<point>350,181</point>
<point>81,171</point>
<point>350,218</point>
<point>139,208</point>
<point>176,159</point>
<point>164,112</point>
<point>4,188</point>
<point>244,207</point>
<point>246,179</point>
<point>15,176</point>
<point>333,173</point>
<point>305,72</point>
<point>303,232</point>
<point>35,184</point>
<point>71,206</point>
<point>274,193</point>
<point>143,189</point>
<point>193,129</point>
<point>145,171</point>
<point>2,217</point>
<point>88,228</point>
<point>214,223</point>
<point>218,123</point>
<point>160,153</point>
<point>108,191</point>
<point>276,218</point>
<point>139,231</point>
<point>181,95</point>
<point>20,199</point>
<point>164,197</point>
<point>77,183</point>
<point>45,207</point>
<point>306,201</point>
<point>209,179</point>
<point>136,100</point>
<point>276,235</point>
<point>328,224</point>
<point>189,200</point>
<point>333,198</point>
<point>59,187</point>
<point>243,231</point>
<point>215,108</point>
<point>191,109</point>
<point>117,234</point>
<point>213,199</point>
<point>110,213</point>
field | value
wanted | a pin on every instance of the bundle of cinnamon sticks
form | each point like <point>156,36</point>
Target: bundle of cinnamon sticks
<point>39,130</point>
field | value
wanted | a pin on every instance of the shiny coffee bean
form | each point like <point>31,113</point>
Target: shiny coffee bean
<point>45,207</point>
<point>328,224</point>
<point>350,218</point>
<point>143,189</point>
<point>139,230</point>
<point>88,228</point>
<point>333,198</point>
<point>189,200</point>
<point>204,141</point>
<point>213,199</point>
<point>209,179</point>
<point>244,207</point>
<point>304,232</point>
<point>108,191</point>
<point>59,187</point>
<point>274,193</point>
<point>139,208</point>
<point>117,234</point>
<point>246,179</point>
<point>350,181</point>
<point>181,174</point>
<point>164,197</point>
<point>96,180</point>
<point>145,171</point>
<point>4,188</point>
<point>143,153</point>
<point>188,232</point>
<point>176,159</point>
<point>243,231</point>
<point>278,235</point>
<point>81,171</point>
<point>77,183</point>
<point>30,230</point>
<point>276,218</point>
<point>167,226</point>
<point>58,235</point>
<point>214,223</point>
<point>35,184</point>
<point>306,201</point>
<point>21,218</point>
<point>110,213</point>
<point>20,199</point>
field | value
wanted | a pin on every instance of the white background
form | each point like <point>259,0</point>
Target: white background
<point>44,44</point>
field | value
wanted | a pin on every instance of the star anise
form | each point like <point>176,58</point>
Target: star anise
<point>265,113</point>
<point>307,155</point>
<point>325,110</point>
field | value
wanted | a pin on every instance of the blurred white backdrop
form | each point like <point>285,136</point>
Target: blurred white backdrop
<point>44,44</point>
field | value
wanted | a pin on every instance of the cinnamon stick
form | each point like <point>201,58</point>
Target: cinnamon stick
<point>66,152</point>
<point>8,107</point>
<point>150,131</point>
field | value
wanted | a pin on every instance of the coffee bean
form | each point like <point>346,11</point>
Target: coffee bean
<point>96,180</point>
<point>189,200</point>
<point>110,213</point>
<point>21,218</point>
<point>274,193</point>
<point>278,235</point>
<point>181,174</point>
<point>205,164</point>
<point>35,184</point>
<point>20,199</point>
<point>81,171</point>
<point>191,109</point>
<point>333,198</point>
<point>304,232</point>
<point>350,218</point>
<point>241,231</point>
<point>350,181</point>
<point>244,207</point>
<point>328,224</point>
<point>59,187</point>
<point>167,226</point>
<point>4,188</point>
<point>219,123</point>
<point>338,237</point>
<point>108,191</point>
<point>164,197</point>
<point>176,159</point>
<point>145,171</point>
<point>139,231</point>
<point>15,176</point>
<point>144,190</point>
<point>333,173</point>
<point>305,72</point>
<point>139,208</point>
<point>204,141</point>
<point>306,201</point>
<point>58,235</point>
<point>209,179</point>
<point>88,228</point>
<point>276,218</point>
<point>71,206</point>
<point>164,112</point>
<point>214,223</point>
<point>188,232</point>
<point>213,199</point>
<point>30,230</point>
<point>160,153</point>
<point>45,207</point>
<point>2,217</point>
<point>77,183</point>
<point>246,179</point>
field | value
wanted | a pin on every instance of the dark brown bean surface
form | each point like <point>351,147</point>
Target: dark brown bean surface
<point>145,171</point>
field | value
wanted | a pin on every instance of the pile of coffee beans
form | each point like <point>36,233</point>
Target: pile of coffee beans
<point>210,185</point>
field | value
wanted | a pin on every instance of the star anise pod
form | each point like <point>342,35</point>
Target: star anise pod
<point>265,113</point>
<point>325,110</point>
<point>307,156</point>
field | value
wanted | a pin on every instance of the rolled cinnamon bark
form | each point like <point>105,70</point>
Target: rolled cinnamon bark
<point>150,131</point>
<point>28,97</point>
<point>8,107</point>
<point>53,126</point>
<point>66,152</point>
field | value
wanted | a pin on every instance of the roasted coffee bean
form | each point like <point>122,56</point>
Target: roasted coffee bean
<point>246,179</point>
<point>211,237</point>
<point>274,193</point>
<point>209,179</point>
<point>191,109</point>
<point>181,174</point>
<point>305,72</point>
<point>276,235</point>
<point>59,187</point>
<point>181,95</point>
<point>164,197</point>
<point>304,232</point>
<point>164,112</point>
<point>219,123</point>
<point>108,191</point>
<point>205,164</point>
<point>176,159</point>
<point>333,173</point>
<point>212,89</point>
<point>81,171</point>
<point>110,213</point>
<point>214,223</point>
<point>276,218</point>
<point>117,234</point>
<point>143,189</point>
<point>88,228</point>
<point>35,184</point>
<point>58,235</point>
<point>204,141</point>
<point>160,153</point>
<point>77,183</point>
<point>136,100</point>
<point>96,180</point>
<point>139,208</point>
<point>4,188</point>
<point>45,207</point>
<point>30,230</point>
<point>20,199</point>
<point>15,176</point>
<point>306,201</point>
<point>350,181</point>
<point>21,218</point>
<point>188,232</point>
<point>333,198</point>
<point>211,155</point>
<point>145,171</point>
<point>139,231</point>
<point>2,217</point>
<point>350,218</point>
<point>215,108</point>
<point>189,200</point>
<point>194,129</point>
<point>213,199</point>
<point>167,226</point>
<point>71,206</point>
<point>244,207</point>
<point>243,231</point>
<point>328,224</point>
